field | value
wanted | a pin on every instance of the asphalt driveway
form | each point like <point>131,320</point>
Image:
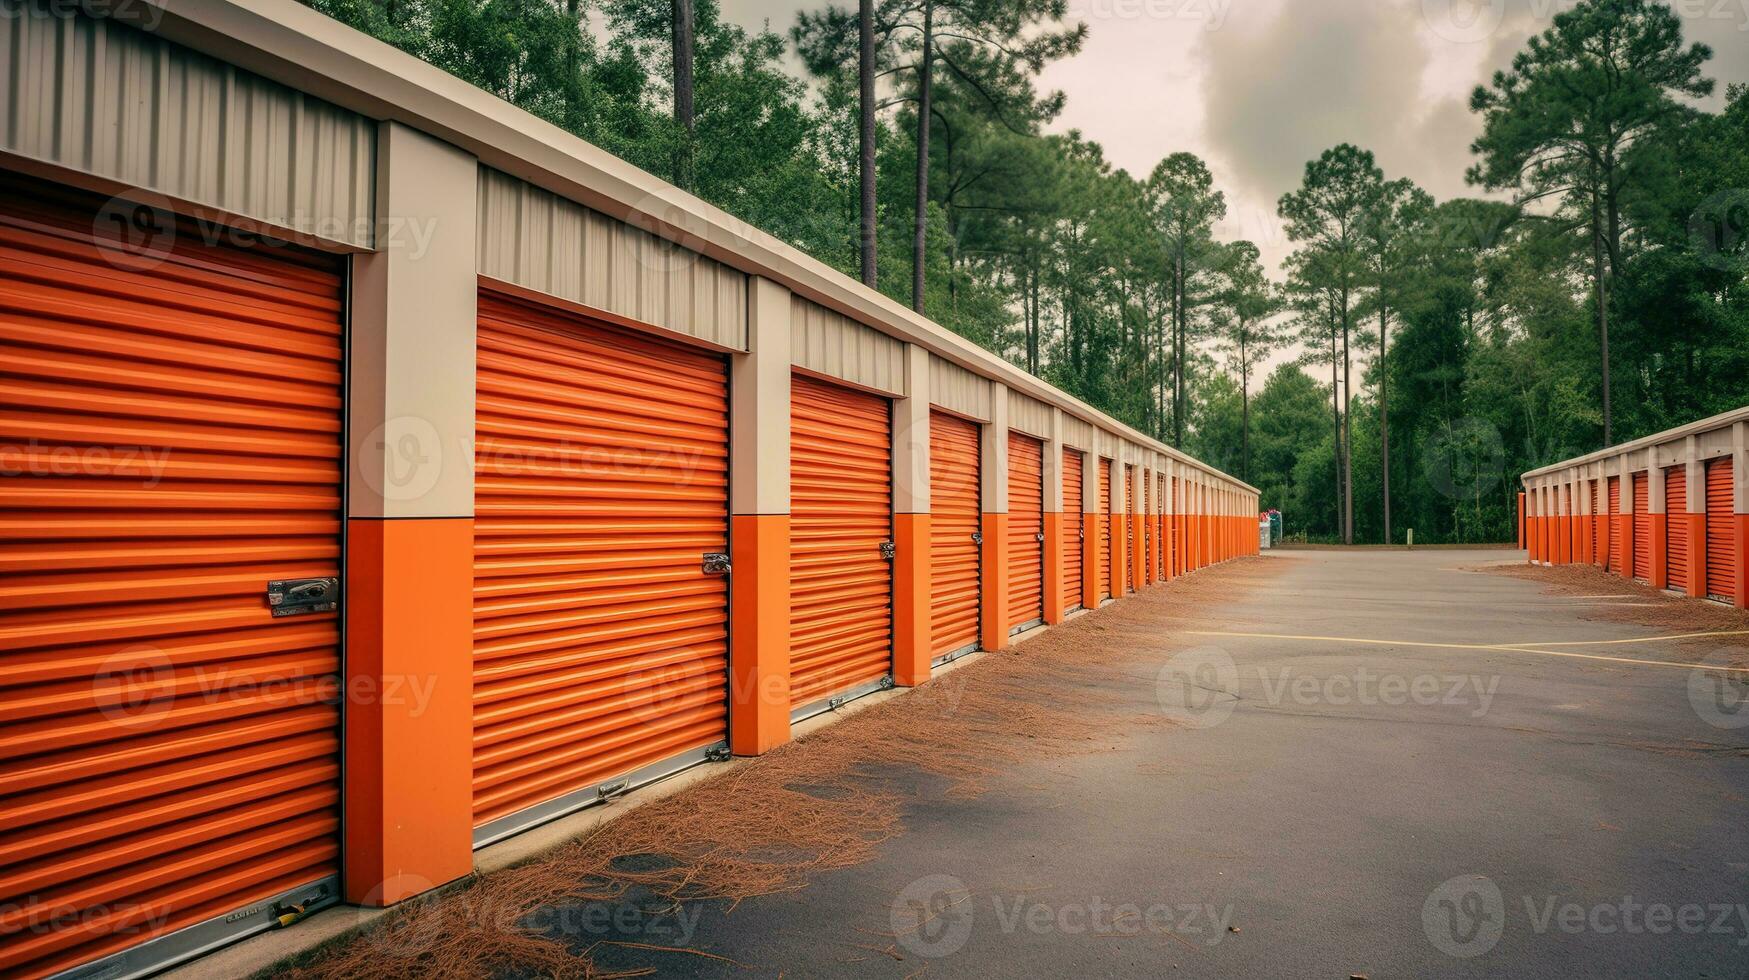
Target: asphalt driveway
<point>1325,808</point>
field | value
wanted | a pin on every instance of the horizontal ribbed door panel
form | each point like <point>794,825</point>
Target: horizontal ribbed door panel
<point>1074,546</point>
<point>1676,526</point>
<point>172,428</point>
<point>1104,523</point>
<point>956,515</point>
<point>1594,527</point>
<point>1026,527</point>
<point>1615,549</point>
<point>1642,525</point>
<point>1147,526</point>
<point>1721,541</point>
<point>841,510</point>
<point>601,478</point>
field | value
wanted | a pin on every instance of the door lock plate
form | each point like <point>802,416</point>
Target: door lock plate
<point>715,563</point>
<point>977,537</point>
<point>293,596</point>
<point>889,550</point>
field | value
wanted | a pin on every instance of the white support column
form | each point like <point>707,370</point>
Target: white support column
<point>912,562</point>
<point>408,595</point>
<point>759,538</point>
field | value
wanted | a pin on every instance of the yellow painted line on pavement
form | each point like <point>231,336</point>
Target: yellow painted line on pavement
<point>1636,639</point>
<point>1492,648</point>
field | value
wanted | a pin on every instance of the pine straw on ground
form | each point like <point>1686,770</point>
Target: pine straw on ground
<point>824,802</point>
<point>1652,608</point>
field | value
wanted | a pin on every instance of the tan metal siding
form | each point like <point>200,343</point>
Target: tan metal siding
<point>1078,433</point>
<point>103,98</point>
<point>1029,415</point>
<point>836,346</point>
<point>958,390</point>
<point>540,241</point>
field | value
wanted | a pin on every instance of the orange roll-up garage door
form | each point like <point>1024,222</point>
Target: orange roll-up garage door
<point>171,424</point>
<point>1615,551</point>
<point>1104,522</point>
<point>1073,530</point>
<point>1676,526</point>
<point>955,519</point>
<point>1721,542</point>
<point>841,516</point>
<point>1642,526</point>
<point>1594,526</point>
<point>600,642</point>
<point>1147,526</point>
<point>1026,532</point>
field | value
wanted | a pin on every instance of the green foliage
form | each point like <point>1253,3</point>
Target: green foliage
<point>1472,326</point>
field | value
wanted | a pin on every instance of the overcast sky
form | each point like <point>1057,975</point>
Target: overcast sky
<point>1258,87</point>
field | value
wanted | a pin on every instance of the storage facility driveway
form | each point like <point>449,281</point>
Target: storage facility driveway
<point>1323,809</point>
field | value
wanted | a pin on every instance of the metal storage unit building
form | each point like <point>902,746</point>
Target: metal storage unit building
<point>1673,513</point>
<point>577,478</point>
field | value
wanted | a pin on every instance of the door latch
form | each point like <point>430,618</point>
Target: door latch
<point>1039,537</point>
<point>977,537</point>
<point>889,550</point>
<point>289,597</point>
<point>715,563</point>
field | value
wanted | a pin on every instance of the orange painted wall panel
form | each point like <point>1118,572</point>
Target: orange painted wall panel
<point>1642,499</point>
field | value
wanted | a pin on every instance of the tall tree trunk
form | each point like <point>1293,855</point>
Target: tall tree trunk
<point>1032,335</point>
<point>865,125</point>
<point>1347,438</point>
<point>1179,349</point>
<point>1336,421</point>
<point>1385,415</point>
<point>1244,409</point>
<point>925,90</point>
<point>683,155</point>
<point>1601,292</point>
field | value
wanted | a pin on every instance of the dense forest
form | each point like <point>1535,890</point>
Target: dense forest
<point>1595,289</point>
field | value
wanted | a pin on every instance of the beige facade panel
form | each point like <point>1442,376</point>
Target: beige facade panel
<point>102,98</point>
<point>835,346</point>
<point>1029,415</point>
<point>1078,433</point>
<point>958,390</point>
<point>542,242</point>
